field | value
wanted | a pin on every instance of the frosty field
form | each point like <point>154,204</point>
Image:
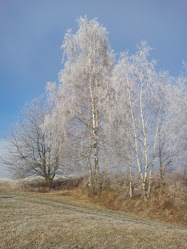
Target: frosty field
<point>35,220</point>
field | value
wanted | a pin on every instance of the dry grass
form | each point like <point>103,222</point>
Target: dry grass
<point>39,184</point>
<point>52,220</point>
<point>167,203</point>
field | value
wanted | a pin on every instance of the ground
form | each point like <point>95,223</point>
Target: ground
<point>38,220</point>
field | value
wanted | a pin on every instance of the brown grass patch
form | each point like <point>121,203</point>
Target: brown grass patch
<point>167,203</point>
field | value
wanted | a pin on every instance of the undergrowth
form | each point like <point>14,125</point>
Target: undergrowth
<point>167,201</point>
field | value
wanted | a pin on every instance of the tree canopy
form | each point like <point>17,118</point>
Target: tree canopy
<point>104,114</point>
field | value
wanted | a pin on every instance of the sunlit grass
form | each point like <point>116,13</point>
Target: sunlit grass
<point>36,220</point>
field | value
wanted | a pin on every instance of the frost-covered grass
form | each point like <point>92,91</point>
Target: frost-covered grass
<point>167,201</point>
<point>35,220</point>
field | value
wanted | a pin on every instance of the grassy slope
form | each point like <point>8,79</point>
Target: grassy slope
<point>167,202</point>
<point>35,220</point>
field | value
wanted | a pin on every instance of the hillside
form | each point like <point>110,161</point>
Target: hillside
<point>67,218</point>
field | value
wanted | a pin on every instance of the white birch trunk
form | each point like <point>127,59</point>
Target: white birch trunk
<point>136,145</point>
<point>135,135</point>
<point>130,173</point>
<point>145,146</point>
<point>95,140</point>
<point>153,160</point>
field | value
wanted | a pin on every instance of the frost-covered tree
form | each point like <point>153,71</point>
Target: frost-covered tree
<point>178,122</point>
<point>101,116</point>
<point>32,150</point>
<point>135,80</point>
<point>82,93</point>
<point>163,150</point>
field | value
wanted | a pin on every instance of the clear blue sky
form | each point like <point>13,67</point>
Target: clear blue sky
<point>31,34</point>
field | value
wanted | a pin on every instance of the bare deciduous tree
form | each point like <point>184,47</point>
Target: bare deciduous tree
<point>32,150</point>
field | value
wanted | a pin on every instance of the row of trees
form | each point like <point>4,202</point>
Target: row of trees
<point>103,115</point>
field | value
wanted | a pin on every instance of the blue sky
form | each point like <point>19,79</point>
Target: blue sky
<point>31,34</point>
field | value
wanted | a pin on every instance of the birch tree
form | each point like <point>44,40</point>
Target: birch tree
<point>178,121</point>
<point>84,81</point>
<point>119,130</point>
<point>139,79</point>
